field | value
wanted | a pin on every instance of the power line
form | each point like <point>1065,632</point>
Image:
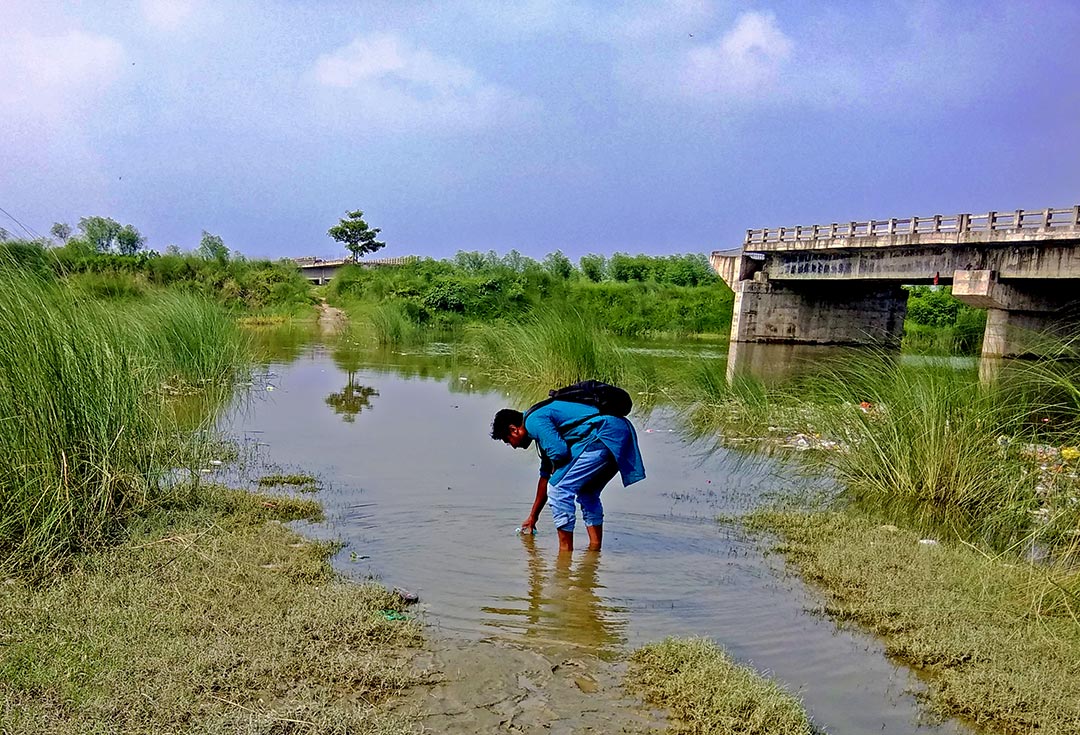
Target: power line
<point>33,235</point>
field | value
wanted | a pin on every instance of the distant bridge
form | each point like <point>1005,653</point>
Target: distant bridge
<point>319,271</point>
<point>841,283</point>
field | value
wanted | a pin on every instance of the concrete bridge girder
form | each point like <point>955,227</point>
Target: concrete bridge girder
<point>913,266</point>
<point>791,292</point>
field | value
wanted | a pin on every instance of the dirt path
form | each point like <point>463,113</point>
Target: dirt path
<point>497,687</point>
<point>331,319</point>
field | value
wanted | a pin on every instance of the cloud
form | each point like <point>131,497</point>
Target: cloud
<point>878,60</point>
<point>383,81</point>
<point>745,61</point>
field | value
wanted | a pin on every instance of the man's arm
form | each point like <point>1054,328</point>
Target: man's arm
<point>528,525</point>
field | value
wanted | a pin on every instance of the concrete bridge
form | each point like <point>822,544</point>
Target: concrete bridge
<point>841,283</point>
<point>320,271</point>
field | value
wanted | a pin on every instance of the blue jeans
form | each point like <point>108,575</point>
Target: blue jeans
<point>583,481</point>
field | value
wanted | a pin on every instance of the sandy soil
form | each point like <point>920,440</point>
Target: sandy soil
<point>331,319</point>
<point>497,687</point>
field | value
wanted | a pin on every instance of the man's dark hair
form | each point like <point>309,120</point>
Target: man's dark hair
<point>500,426</point>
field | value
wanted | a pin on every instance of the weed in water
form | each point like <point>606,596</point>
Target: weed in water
<point>554,346</point>
<point>304,482</point>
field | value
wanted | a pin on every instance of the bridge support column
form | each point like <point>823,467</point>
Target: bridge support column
<point>819,313</point>
<point>1022,319</point>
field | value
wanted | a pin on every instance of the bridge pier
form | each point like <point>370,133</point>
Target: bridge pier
<point>1023,318</point>
<point>816,313</point>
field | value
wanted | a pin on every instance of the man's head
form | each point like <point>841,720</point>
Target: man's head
<point>509,426</point>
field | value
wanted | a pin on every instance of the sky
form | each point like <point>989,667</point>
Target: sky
<point>662,126</point>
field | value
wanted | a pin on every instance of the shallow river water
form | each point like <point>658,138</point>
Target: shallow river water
<point>425,500</point>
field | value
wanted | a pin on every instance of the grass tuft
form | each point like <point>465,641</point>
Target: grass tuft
<point>708,693</point>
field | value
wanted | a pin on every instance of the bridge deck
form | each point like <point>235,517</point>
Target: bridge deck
<point>993,227</point>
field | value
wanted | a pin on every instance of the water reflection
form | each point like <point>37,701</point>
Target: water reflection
<point>352,399</point>
<point>775,363</point>
<point>563,604</point>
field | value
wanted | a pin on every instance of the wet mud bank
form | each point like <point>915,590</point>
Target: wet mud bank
<point>498,686</point>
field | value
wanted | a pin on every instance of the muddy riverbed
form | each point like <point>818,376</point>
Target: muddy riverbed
<point>424,500</point>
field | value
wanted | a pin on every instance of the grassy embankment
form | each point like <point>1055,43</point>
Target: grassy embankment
<point>135,603</point>
<point>88,435</point>
<point>259,291</point>
<point>987,473</point>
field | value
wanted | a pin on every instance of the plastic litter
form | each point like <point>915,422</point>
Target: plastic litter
<point>393,615</point>
<point>409,598</point>
<point>519,531</point>
<point>928,542</point>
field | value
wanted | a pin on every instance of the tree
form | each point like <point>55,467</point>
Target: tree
<point>61,231</point>
<point>104,234</point>
<point>129,240</point>
<point>592,266</point>
<point>354,233</point>
<point>212,247</point>
<point>100,232</point>
<point>558,265</point>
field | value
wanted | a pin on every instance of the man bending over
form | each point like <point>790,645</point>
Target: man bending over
<point>580,451</point>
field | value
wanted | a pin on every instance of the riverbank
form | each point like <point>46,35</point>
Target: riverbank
<point>211,616</point>
<point>997,642</point>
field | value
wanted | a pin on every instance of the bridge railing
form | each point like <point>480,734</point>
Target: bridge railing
<point>1044,220</point>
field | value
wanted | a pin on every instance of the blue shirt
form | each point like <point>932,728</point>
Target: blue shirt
<point>562,430</point>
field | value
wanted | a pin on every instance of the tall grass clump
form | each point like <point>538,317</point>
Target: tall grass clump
<point>85,433</point>
<point>740,407</point>
<point>192,340</point>
<point>553,346</point>
<point>392,326</point>
<point>929,441</point>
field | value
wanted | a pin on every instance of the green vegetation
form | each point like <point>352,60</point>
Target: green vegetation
<point>708,693</point>
<point>210,617</point>
<point>939,323</point>
<point>255,286</point>
<point>550,347</point>
<point>627,296</point>
<point>998,639</point>
<point>926,443</point>
<point>88,435</point>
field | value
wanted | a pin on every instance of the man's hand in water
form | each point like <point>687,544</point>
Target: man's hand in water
<point>528,526</point>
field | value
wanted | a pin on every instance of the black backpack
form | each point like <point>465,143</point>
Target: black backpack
<point>609,399</point>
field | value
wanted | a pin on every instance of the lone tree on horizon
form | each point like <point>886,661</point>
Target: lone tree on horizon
<point>355,234</point>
